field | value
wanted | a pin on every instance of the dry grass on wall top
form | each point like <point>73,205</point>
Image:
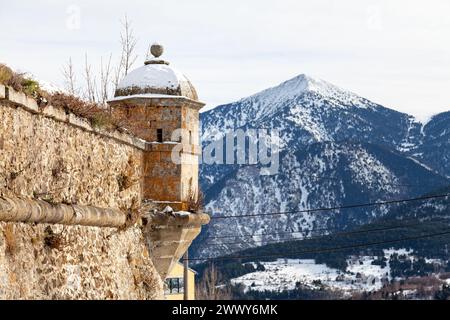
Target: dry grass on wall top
<point>19,82</point>
<point>11,78</point>
<point>97,114</point>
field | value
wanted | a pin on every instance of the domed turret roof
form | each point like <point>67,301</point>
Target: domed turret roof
<point>156,77</point>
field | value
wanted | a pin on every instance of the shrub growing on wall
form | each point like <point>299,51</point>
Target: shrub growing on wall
<point>5,74</point>
<point>18,82</point>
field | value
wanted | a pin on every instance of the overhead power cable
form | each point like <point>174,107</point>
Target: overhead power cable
<point>353,206</point>
<point>326,250</point>
<point>348,233</point>
<point>317,177</point>
<point>264,234</point>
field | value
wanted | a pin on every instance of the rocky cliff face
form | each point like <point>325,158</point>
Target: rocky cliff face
<point>435,147</point>
<point>336,149</point>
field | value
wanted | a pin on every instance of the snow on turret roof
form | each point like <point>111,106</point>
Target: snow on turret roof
<point>159,76</point>
<point>156,77</point>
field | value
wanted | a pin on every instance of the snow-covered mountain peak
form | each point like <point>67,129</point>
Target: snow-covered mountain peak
<point>336,148</point>
<point>313,108</point>
<point>304,83</point>
<point>300,85</point>
<point>300,89</point>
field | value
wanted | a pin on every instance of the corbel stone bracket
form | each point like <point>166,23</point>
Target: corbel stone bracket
<point>169,235</point>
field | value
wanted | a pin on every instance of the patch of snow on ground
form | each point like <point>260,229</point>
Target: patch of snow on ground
<point>284,274</point>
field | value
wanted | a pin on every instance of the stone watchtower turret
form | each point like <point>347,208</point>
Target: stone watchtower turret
<point>156,101</point>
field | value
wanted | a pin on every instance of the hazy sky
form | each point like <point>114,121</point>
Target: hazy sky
<point>394,52</point>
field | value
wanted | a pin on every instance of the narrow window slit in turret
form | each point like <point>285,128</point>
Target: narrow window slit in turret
<point>159,135</point>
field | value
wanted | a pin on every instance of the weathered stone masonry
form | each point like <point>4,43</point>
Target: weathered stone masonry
<point>44,155</point>
<point>82,185</point>
<point>54,156</point>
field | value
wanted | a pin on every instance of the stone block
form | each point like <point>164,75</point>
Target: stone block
<point>162,188</point>
<point>166,156</point>
<point>152,156</point>
<point>23,100</point>
<point>55,113</point>
<point>2,92</point>
<point>162,169</point>
<point>79,122</point>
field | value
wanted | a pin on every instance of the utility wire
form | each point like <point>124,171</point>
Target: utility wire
<point>334,234</point>
<point>314,230</point>
<point>370,204</point>
<point>317,177</point>
<point>328,250</point>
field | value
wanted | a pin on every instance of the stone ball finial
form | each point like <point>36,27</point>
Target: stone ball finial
<point>156,50</point>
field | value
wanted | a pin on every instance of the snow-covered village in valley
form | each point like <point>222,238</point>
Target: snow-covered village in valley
<point>167,150</point>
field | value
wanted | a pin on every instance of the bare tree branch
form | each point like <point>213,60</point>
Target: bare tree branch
<point>70,78</point>
<point>128,42</point>
<point>105,75</point>
<point>91,87</point>
<point>209,287</point>
<point>118,74</point>
<point>109,75</point>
